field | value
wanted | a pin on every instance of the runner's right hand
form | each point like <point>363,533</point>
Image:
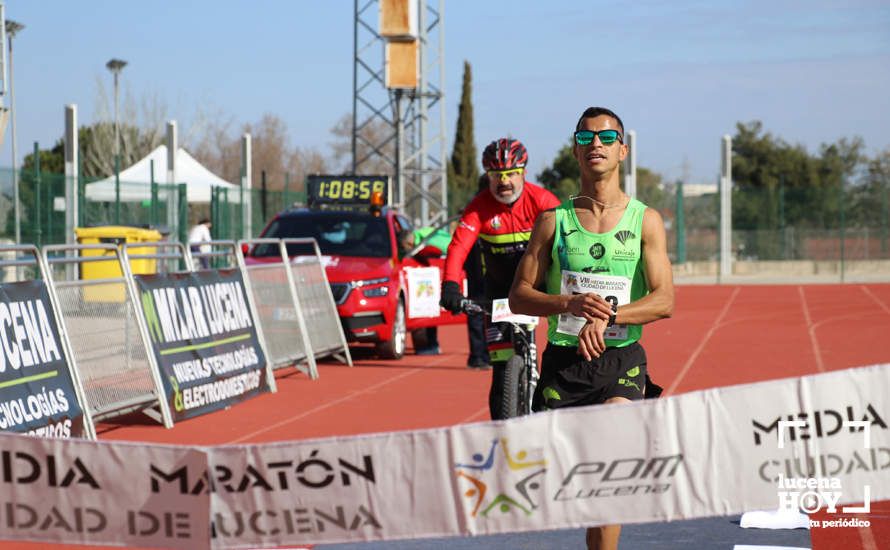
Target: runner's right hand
<point>451,296</point>
<point>590,306</point>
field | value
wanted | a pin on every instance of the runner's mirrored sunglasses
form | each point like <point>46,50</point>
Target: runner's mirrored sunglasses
<point>607,137</point>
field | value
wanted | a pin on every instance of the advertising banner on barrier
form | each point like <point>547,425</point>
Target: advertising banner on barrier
<point>83,492</point>
<point>37,395</point>
<point>204,339</point>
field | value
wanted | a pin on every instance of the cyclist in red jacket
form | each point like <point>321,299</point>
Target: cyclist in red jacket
<point>502,221</point>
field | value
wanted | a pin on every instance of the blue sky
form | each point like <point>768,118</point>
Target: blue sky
<point>681,74</point>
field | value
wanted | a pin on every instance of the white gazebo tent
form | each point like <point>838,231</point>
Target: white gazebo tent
<point>135,181</point>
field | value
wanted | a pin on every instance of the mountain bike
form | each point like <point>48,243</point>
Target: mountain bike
<point>521,375</point>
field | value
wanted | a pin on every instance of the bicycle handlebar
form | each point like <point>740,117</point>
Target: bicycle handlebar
<point>472,306</point>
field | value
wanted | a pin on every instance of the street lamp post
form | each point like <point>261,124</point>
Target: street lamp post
<point>13,27</point>
<point>115,66</point>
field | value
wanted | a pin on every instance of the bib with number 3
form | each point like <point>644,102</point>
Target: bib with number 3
<point>613,289</point>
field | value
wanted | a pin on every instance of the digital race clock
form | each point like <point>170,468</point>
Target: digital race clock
<point>352,190</point>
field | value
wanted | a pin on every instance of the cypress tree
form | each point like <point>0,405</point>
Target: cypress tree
<point>463,172</point>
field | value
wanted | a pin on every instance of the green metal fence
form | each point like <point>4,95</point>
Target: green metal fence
<point>691,223</point>
<point>43,206</point>
<point>841,223</point>
<point>161,206</point>
<point>839,228</point>
<point>228,218</point>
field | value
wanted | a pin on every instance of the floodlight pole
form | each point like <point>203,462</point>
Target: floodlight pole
<point>116,66</point>
<point>12,28</point>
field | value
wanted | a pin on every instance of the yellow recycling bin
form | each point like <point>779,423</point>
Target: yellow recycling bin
<point>117,235</point>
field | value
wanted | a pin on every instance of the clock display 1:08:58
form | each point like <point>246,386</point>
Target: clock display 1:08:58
<point>350,189</point>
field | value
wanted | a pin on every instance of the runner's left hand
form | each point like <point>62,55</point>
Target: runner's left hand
<point>591,343</point>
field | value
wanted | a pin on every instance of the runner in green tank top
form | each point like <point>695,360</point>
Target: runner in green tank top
<point>597,267</point>
<point>608,262</point>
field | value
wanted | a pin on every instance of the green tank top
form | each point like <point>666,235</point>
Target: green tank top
<point>440,239</point>
<point>609,264</point>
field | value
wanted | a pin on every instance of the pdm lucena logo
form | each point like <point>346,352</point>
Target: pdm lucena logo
<point>501,480</point>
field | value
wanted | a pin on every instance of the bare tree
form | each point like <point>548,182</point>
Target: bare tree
<point>374,156</point>
<point>220,150</point>
<point>217,148</point>
<point>271,150</point>
<point>141,131</point>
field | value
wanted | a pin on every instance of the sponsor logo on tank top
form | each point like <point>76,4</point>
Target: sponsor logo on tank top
<point>624,236</point>
<point>597,250</point>
<point>624,255</point>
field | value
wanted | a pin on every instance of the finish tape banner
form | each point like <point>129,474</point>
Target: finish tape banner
<point>820,443</point>
<point>385,486</point>
<point>709,453</point>
<point>37,395</point>
<point>715,452</point>
<point>204,339</point>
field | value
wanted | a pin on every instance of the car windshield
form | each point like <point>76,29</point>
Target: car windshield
<point>337,233</point>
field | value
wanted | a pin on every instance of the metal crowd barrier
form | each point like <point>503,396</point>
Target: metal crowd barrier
<point>278,308</point>
<point>222,254</point>
<point>103,329</point>
<point>317,303</point>
<point>109,341</point>
<point>170,257</point>
<point>28,259</point>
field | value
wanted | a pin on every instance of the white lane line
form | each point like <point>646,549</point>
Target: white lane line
<point>701,345</point>
<point>867,538</point>
<point>481,414</point>
<point>811,328</point>
<point>871,295</point>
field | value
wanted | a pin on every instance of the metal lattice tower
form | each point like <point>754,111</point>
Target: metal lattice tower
<point>401,132</point>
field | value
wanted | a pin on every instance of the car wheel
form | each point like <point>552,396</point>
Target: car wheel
<point>394,348</point>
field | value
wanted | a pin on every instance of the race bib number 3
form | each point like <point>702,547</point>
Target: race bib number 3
<point>613,289</point>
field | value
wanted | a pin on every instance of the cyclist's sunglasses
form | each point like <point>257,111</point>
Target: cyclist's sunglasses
<point>500,174</point>
<point>607,137</point>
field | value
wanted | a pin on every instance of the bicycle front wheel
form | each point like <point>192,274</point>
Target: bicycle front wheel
<point>515,399</point>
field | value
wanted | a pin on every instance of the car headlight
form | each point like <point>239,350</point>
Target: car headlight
<point>373,292</point>
<point>369,282</point>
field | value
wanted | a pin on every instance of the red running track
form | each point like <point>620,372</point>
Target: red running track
<point>718,336</point>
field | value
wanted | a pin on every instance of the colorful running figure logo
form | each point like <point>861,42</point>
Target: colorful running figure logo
<point>500,480</point>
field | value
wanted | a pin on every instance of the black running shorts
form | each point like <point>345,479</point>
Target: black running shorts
<point>567,380</point>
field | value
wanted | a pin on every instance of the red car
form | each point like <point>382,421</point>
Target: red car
<point>380,296</point>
